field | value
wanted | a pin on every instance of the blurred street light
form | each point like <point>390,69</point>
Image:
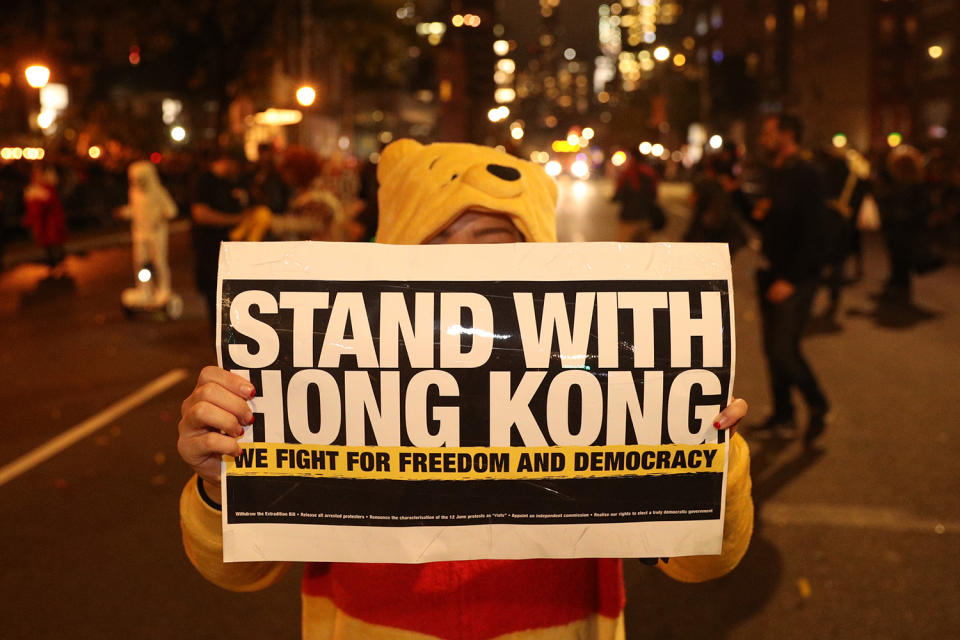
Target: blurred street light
<point>661,53</point>
<point>278,117</point>
<point>507,65</point>
<point>645,147</point>
<point>935,51</point>
<point>679,60</point>
<point>569,53</point>
<point>94,152</point>
<point>839,140</point>
<point>716,141</point>
<point>516,133</point>
<point>894,139</point>
<point>573,140</point>
<point>580,169</point>
<point>588,133</point>
<point>618,158</point>
<point>540,157</point>
<point>504,94</point>
<point>553,168</point>
<point>501,47</point>
<point>45,119</point>
<point>306,95</point>
<point>498,114</point>
<point>657,149</point>
<point>178,134</point>
<point>37,75</point>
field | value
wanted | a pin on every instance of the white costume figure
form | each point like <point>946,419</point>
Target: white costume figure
<point>150,208</point>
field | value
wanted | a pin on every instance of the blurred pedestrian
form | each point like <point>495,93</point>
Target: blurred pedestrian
<point>219,200</point>
<point>637,194</point>
<point>715,215</point>
<point>845,175</point>
<point>905,205</point>
<point>367,218</point>
<point>313,213</point>
<point>791,218</point>
<point>149,209</point>
<point>267,187</point>
<point>45,216</point>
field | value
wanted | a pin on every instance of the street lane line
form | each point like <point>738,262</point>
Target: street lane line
<point>854,517</point>
<point>80,431</point>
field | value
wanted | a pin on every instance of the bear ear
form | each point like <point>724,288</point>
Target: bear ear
<point>393,154</point>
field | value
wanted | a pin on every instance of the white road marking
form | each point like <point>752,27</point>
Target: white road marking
<point>854,517</point>
<point>80,431</point>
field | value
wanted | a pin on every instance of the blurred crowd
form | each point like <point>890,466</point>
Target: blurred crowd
<point>307,195</point>
<point>805,211</point>
<point>910,196</point>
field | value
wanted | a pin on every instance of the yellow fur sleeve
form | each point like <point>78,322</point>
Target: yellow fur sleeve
<point>203,542</point>
<point>737,525</point>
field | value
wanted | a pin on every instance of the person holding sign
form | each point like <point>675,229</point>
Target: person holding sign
<point>438,194</point>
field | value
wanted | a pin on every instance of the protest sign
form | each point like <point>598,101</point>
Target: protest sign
<point>427,403</point>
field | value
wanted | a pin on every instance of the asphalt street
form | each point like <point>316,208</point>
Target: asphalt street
<point>857,538</point>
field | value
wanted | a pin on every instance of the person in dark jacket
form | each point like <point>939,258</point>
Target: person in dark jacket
<point>905,205</point>
<point>845,175</point>
<point>218,203</point>
<point>791,218</point>
<point>716,197</point>
<point>637,194</point>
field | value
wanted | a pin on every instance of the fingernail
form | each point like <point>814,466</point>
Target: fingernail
<point>249,420</point>
<point>719,422</point>
<point>250,391</point>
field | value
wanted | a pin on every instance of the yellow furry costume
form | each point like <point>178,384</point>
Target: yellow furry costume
<point>424,189</point>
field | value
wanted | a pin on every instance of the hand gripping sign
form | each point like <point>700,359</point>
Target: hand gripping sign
<point>427,403</point>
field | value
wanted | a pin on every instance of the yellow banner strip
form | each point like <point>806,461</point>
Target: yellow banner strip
<point>472,463</point>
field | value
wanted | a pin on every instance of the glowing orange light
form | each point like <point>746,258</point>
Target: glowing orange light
<point>306,95</point>
<point>37,75</point>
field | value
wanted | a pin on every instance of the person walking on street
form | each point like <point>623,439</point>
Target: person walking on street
<point>218,204</point>
<point>45,216</point>
<point>637,194</point>
<point>267,188</point>
<point>845,175</point>
<point>150,210</point>
<point>715,207</point>
<point>791,218</point>
<point>905,205</point>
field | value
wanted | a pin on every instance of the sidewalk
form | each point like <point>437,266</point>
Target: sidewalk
<point>81,242</point>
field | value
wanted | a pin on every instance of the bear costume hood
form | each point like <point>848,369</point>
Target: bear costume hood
<point>423,188</point>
